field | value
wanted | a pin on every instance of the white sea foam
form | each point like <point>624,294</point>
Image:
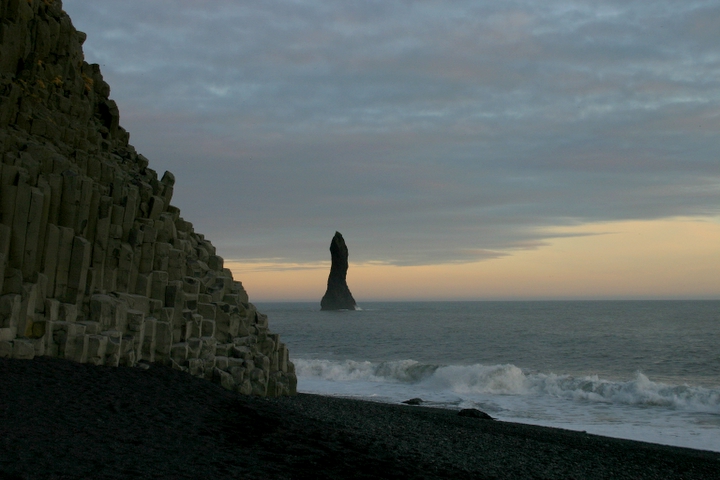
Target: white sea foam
<point>471,380</point>
<point>636,409</point>
<point>350,370</point>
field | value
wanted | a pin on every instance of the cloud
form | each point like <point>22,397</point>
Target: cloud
<point>426,132</point>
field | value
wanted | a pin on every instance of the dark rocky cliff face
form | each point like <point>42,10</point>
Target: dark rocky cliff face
<point>338,296</point>
<point>96,265</point>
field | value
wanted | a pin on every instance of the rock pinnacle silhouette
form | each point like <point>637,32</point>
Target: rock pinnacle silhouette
<point>338,296</point>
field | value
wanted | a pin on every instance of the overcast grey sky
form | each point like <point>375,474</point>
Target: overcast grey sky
<point>425,131</point>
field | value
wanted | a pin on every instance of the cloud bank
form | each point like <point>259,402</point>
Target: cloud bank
<point>427,132</point>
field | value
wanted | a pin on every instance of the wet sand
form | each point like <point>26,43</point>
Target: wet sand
<point>60,419</point>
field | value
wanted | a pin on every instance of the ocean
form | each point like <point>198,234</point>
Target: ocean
<point>640,370</point>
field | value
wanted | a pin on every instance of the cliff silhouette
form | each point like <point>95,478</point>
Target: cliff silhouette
<point>96,264</point>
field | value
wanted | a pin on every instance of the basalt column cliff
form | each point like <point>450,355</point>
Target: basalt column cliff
<point>338,296</point>
<point>96,265</point>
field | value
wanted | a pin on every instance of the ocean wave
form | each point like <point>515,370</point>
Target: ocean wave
<point>403,371</point>
<point>638,391</point>
<point>508,379</point>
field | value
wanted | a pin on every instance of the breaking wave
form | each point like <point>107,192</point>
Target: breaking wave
<point>508,379</point>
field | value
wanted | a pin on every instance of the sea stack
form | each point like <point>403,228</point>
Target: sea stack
<point>338,296</point>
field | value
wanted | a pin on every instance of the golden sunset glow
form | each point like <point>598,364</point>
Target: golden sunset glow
<point>677,258</point>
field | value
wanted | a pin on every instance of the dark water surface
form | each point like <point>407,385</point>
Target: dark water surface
<point>644,370</point>
<point>671,341</point>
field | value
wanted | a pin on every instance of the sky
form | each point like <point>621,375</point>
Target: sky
<point>466,150</point>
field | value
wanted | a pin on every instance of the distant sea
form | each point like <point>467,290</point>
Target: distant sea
<point>641,370</point>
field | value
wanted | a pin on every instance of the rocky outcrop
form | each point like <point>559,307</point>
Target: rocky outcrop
<point>96,265</point>
<point>338,296</point>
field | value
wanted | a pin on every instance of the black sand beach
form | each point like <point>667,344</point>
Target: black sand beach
<point>65,420</point>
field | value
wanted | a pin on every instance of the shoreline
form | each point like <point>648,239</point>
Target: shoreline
<point>585,430</point>
<point>60,419</point>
